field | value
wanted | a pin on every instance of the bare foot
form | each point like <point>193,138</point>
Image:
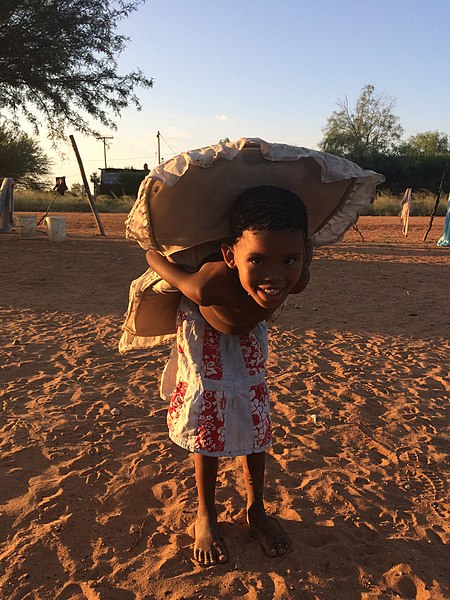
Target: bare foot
<point>268,531</point>
<point>208,547</point>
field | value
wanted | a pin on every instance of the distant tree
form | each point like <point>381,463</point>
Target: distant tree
<point>95,180</point>
<point>428,143</point>
<point>77,189</point>
<point>22,158</point>
<point>369,129</point>
<point>58,63</point>
<point>225,140</point>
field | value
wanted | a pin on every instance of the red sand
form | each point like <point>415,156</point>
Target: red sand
<point>97,503</point>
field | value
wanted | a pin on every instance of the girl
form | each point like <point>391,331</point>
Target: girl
<point>215,378</point>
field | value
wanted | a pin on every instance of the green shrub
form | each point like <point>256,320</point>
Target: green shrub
<point>35,201</point>
<point>420,172</point>
<point>389,205</point>
<point>108,204</point>
<point>422,203</point>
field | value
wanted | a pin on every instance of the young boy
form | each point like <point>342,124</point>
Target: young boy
<point>215,377</point>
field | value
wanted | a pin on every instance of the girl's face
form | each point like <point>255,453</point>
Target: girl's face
<point>269,264</point>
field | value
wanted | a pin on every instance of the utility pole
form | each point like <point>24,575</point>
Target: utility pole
<point>158,135</point>
<point>103,138</point>
<point>90,197</point>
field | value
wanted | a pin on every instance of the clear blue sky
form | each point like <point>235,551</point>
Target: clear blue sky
<point>274,69</point>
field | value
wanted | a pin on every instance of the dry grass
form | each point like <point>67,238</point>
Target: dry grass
<point>385,204</point>
<point>389,205</point>
<point>36,201</point>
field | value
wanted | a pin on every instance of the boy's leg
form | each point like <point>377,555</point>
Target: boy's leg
<point>208,547</point>
<point>267,530</point>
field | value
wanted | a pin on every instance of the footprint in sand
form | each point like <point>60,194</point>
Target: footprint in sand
<point>163,491</point>
<point>417,477</point>
<point>403,582</point>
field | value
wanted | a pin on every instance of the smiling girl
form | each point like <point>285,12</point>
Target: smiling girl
<point>215,378</point>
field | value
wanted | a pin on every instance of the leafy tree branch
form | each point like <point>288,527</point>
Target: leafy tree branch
<point>58,61</point>
<point>368,129</point>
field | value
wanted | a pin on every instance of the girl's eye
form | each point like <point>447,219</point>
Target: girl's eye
<point>255,261</point>
<point>290,261</point>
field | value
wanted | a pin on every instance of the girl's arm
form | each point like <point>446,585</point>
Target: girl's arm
<point>205,287</point>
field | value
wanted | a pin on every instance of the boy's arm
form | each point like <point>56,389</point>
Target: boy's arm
<point>204,287</point>
<point>305,274</point>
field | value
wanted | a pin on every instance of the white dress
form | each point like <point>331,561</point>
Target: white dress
<point>216,389</point>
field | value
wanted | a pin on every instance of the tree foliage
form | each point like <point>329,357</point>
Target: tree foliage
<point>22,158</point>
<point>369,129</point>
<point>428,143</point>
<point>58,61</point>
<point>77,189</point>
<point>402,171</point>
<point>95,180</point>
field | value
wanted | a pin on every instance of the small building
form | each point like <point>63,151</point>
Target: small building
<point>121,182</point>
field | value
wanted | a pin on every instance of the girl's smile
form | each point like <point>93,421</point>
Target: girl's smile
<point>269,263</point>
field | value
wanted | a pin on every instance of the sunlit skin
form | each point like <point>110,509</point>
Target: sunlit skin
<point>268,265</point>
<point>254,278</point>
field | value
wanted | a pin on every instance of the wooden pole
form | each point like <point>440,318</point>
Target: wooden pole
<point>436,202</point>
<point>159,148</point>
<point>103,139</point>
<point>90,198</point>
<point>48,208</point>
<point>356,228</point>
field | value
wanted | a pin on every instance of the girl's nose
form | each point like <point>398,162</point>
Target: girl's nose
<point>274,276</point>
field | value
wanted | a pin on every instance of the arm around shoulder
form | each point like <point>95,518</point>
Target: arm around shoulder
<point>204,287</point>
<point>176,275</point>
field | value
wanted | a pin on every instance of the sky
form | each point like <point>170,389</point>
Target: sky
<point>273,69</point>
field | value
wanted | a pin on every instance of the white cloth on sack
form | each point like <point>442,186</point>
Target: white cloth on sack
<point>183,205</point>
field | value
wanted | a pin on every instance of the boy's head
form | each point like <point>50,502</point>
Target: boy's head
<point>267,208</point>
<point>269,228</point>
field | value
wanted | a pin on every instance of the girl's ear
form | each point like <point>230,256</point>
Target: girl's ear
<point>228,256</point>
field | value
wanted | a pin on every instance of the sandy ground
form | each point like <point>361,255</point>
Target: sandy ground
<point>97,503</point>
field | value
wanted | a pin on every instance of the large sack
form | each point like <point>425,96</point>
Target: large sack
<point>183,205</point>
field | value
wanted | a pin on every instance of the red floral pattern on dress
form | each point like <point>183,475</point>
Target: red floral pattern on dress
<point>210,431</point>
<point>230,371</point>
<point>253,357</point>
<point>177,399</point>
<point>259,403</point>
<point>212,361</point>
<point>180,334</point>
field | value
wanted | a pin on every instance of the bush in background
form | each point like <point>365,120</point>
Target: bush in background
<point>389,205</point>
<point>34,201</point>
<point>421,173</point>
<point>22,158</point>
<point>422,203</point>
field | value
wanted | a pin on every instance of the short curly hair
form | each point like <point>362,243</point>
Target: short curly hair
<point>266,208</point>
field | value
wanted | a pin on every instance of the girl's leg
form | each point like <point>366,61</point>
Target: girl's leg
<point>267,530</point>
<point>208,547</point>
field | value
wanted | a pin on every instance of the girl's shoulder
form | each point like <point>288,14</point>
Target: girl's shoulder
<point>212,258</point>
<point>219,284</point>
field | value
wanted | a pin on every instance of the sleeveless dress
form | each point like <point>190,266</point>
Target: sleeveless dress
<point>216,389</point>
